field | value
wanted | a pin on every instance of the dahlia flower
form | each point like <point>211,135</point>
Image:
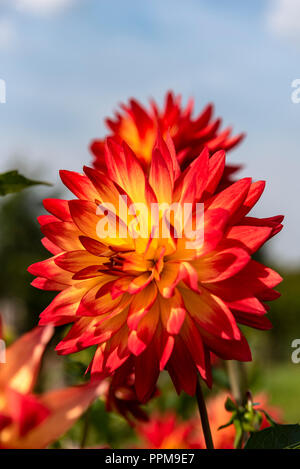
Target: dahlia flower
<point>138,127</point>
<point>156,292</point>
<point>32,421</point>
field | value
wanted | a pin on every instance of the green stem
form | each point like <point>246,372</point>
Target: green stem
<point>85,429</point>
<point>204,416</point>
<point>239,386</point>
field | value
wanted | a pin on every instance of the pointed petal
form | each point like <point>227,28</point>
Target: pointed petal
<point>253,237</point>
<point>172,313</point>
<point>140,305</point>
<point>182,369</point>
<point>62,310</point>
<point>74,261</point>
<point>221,264</point>
<point>232,198</point>
<point>79,184</point>
<point>23,360</point>
<point>49,270</point>
<point>194,343</point>
<point>145,382</point>
<point>255,191</point>
<point>59,208</point>
<point>160,178</point>
<point>63,234</point>
<point>215,171</point>
<point>210,313</point>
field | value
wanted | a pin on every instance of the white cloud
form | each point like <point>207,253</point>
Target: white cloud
<point>8,34</point>
<point>38,7</point>
<point>8,25</point>
<point>42,7</point>
<point>283,18</point>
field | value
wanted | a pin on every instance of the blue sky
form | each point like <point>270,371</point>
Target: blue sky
<point>68,63</point>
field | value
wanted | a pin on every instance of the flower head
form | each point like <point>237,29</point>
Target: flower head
<point>138,127</point>
<point>32,421</point>
<point>156,291</point>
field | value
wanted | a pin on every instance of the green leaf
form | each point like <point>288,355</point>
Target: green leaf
<point>13,181</point>
<point>230,405</point>
<point>230,422</point>
<point>276,437</point>
<point>269,418</point>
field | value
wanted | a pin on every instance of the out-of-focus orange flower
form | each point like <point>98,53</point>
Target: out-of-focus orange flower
<point>167,431</point>
<point>152,299</point>
<point>29,420</point>
<point>138,127</point>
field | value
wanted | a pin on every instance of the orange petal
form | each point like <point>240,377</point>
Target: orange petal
<point>49,270</point>
<point>65,406</point>
<point>63,234</point>
<point>23,359</point>
<point>220,265</point>
<point>210,313</point>
<point>63,308</point>
<point>160,179</point>
<point>140,305</point>
<point>172,313</point>
<point>74,261</point>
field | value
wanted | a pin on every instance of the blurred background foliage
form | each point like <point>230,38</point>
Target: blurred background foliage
<point>272,369</point>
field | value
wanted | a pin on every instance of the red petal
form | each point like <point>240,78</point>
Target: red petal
<point>79,184</point>
<point>59,208</point>
<point>27,411</point>
<point>146,373</point>
<point>194,343</point>
<point>227,349</point>
<point>95,247</point>
<point>232,198</point>
<point>221,264</point>
<point>51,247</point>
<point>45,284</point>
<point>215,170</point>
<point>253,237</point>
<point>210,313</point>
<point>49,270</point>
<point>182,369</point>
<point>63,234</point>
<point>194,180</point>
<point>140,305</point>
<point>255,191</point>
<point>62,309</point>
